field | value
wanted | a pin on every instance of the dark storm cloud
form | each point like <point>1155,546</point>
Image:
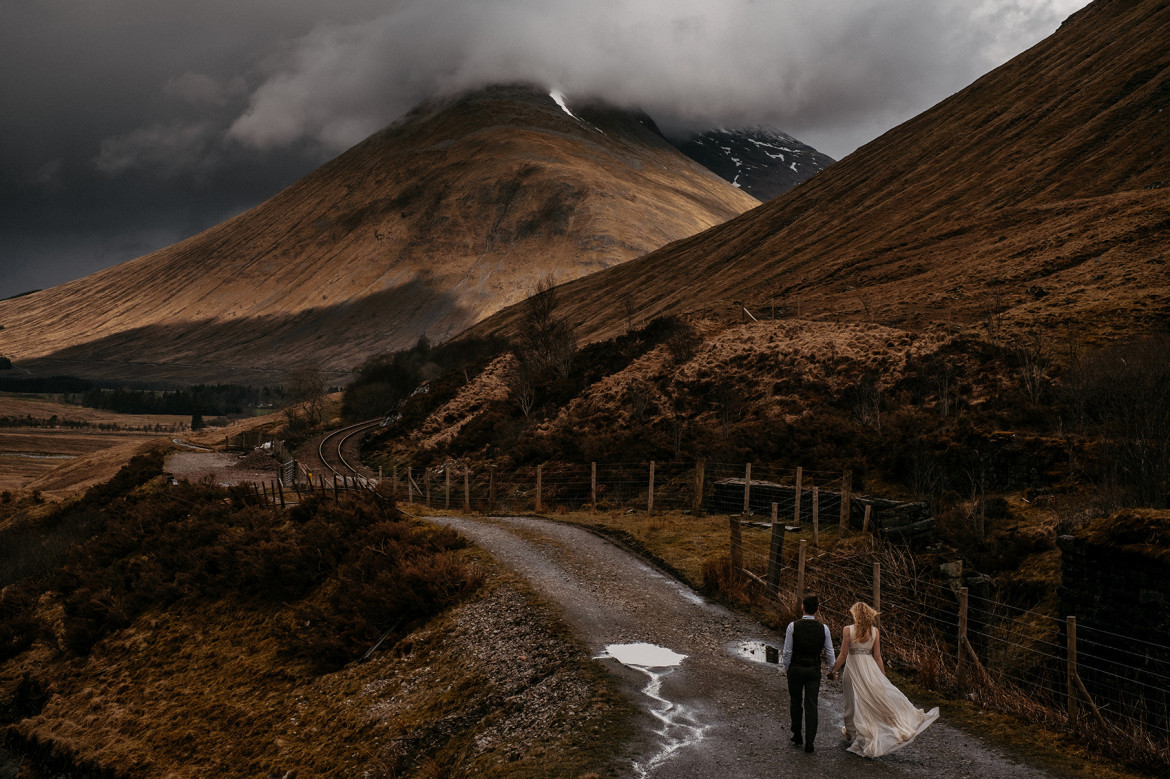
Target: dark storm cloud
<point>132,123</point>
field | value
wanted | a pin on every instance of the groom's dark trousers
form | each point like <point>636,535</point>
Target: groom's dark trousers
<point>804,686</point>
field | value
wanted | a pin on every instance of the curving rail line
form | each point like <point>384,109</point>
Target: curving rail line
<point>333,444</point>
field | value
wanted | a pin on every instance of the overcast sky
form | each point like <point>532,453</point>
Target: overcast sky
<point>126,125</point>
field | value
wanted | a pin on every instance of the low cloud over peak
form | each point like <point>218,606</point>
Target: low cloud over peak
<point>835,73</point>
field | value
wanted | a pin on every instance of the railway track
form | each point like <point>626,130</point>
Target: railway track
<point>330,449</point>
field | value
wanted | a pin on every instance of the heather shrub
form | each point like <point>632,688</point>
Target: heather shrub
<point>356,567</point>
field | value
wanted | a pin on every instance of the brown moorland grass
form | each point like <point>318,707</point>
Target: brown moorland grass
<point>205,691</point>
<point>226,642</point>
<point>80,458</point>
<point>64,462</point>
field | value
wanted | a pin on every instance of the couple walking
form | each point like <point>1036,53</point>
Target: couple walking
<point>878,717</point>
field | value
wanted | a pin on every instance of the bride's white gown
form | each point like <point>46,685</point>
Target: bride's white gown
<point>878,717</point>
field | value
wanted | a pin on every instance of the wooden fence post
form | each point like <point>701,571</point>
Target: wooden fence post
<point>539,501</point>
<point>280,485</point>
<point>736,548</point>
<point>593,487</point>
<point>747,488</point>
<point>799,484</point>
<point>816,509</point>
<point>775,550</point>
<point>846,498</point>
<point>697,502</point>
<point>467,491</point>
<point>492,490</point>
<point>650,493</point>
<point>1075,683</point>
<point>447,486</point>
<point>1073,714</point>
<point>865,520</point>
<point>800,571</point>
<point>961,666</point>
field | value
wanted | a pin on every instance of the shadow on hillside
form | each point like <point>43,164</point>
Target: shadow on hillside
<point>261,350</point>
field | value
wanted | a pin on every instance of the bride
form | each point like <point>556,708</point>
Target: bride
<point>878,717</point>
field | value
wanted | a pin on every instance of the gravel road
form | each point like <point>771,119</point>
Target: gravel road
<point>722,712</point>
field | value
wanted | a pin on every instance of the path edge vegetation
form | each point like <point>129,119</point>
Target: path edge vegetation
<point>107,599</point>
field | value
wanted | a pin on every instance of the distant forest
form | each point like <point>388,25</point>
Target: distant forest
<point>204,399</point>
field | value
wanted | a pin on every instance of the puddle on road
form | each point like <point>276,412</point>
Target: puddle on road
<point>643,655</point>
<point>755,651</point>
<point>677,727</point>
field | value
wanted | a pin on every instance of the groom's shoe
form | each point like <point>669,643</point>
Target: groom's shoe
<point>808,747</point>
<point>796,739</point>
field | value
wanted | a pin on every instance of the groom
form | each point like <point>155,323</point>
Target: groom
<point>804,643</point>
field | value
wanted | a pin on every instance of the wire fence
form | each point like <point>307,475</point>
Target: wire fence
<point>714,488</point>
<point>961,638</point>
<point>1004,656</point>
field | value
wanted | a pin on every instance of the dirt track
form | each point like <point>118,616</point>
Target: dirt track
<point>719,713</point>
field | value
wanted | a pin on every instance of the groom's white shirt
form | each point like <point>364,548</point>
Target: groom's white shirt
<point>786,655</point>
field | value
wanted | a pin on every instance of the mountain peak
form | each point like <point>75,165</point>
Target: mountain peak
<point>429,225</point>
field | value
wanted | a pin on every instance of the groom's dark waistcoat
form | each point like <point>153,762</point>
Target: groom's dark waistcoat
<point>808,643</point>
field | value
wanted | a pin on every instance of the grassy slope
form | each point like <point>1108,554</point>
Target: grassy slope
<point>204,691</point>
<point>151,655</point>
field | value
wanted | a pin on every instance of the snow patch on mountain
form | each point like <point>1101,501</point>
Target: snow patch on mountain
<point>763,161</point>
<point>559,99</point>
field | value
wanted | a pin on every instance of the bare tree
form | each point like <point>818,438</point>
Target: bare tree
<point>639,396</point>
<point>867,401</point>
<point>631,308</point>
<point>683,342</point>
<point>521,387</point>
<point>549,340</point>
<point>993,310</point>
<point>946,384</point>
<point>306,391</point>
<point>1034,365</point>
<point>731,404</point>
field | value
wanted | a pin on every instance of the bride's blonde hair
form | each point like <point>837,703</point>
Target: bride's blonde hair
<point>863,616</point>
